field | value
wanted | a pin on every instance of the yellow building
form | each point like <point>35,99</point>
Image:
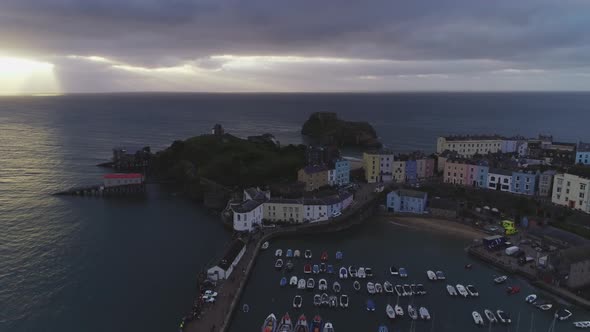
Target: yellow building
<point>378,166</point>
<point>286,210</point>
<point>314,177</point>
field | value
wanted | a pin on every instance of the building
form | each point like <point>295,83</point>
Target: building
<point>123,160</point>
<point>341,172</point>
<point>583,153</point>
<point>314,177</point>
<point>217,130</point>
<point>455,172</point>
<point>571,191</point>
<point>320,209</point>
<point>574,265</point>
<point>411,171</point>
<point>546,183</point>
<point>407,201</point>
<point>228,262</point>
<point>284,210</point>
<point>477,174</point>
<point>378,166</point>
<point>249,213</point>
<point>469,145</point>
<point>320,155</point>
<point>499,179</point>
<point>399,171</point>
<point>425,168</point>
<point>524,183</point>
<point>122,179</point>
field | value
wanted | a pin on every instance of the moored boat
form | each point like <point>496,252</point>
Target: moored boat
<point>388,287</point>
<point>393,270</point>
<point>293,281</point>
<point>370,305</point>
<point>461,290</point>
<point>308,254</point>
<point>333,301</point>
<point>382,328</point>
<point>328,327</point>
<point>279,264</point>
<point>399,290</point>
<point>297,253</point>
<point>301,284</point>
<point>330,269</point>
<point>563,314</point>
<point>315,269</point>
<point>361,273</point>
<point>285,324</point>
<point>324,256</point>
<point>322,267</point>
<point>283,282</point>
<point>413,289</point>
<point>440,275</point>
<point>316,324</point>
<point>512,290</point>
<point>310,284</point>
<point>352,271</point>
<point>307,268</point>
<point>317,300</point>
<point>412,312</point>
<point>336,287</point>
<point>531,298</point>
<point>390,311</point>
<point>297,301</point>
<point>343,273</point>
<point>490,316</point>
<point>301,325</point>
<point>403,272</point>
<point>265,245</point>
<point>420,289</point>
<point>451,290</point>
<point>431,275</point>
<point>371,287</point>
<point>477,318</point>
<point>290,266</point>
<point>472,290</point>
<point>407,291</point>
<point>582,324</point>
<point>325,299</point>
<point>368,272</point>
<point>322,285</point>
<point>289,253</point>
<point>344,301</point>
<point>424,314</point>
<point>500,279</point>
<point>544,306</point>
<point>503,317</point>
<point>278,252</point>
<point>270,323</point>
<point>378,288</point>
<point>356,285</point>
<point>399,311</point>
<point>339,255</point>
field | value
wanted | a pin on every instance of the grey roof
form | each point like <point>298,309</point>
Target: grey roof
<point>327,200</point>
<point>583,147</point>
<point>285,200</point>
<point>550,172</point>
<point>247,206</point>
<point>231,253</point>
<point>500,171</point>
<point>473,137</point>
<point>315,169</point>
<point>411,193</point>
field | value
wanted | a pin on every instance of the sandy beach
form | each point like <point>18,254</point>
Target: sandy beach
<point>434,225</point>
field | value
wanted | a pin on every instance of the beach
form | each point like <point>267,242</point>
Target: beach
<point>438,225</point>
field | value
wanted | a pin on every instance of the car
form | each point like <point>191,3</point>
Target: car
<point>209,293</point>
<point>209,299</point>
<point>336,214</point>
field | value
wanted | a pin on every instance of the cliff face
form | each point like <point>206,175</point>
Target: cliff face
<point>326,128</point>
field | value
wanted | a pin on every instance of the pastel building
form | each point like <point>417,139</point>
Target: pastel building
<point>284,210</point>
<point>378,166</point>
<point>399,171</point>
<point>407,201</point>
<point>341,172</point>
<point>467,146</point>
<point>524,183</point>
<point>411,171</point>
<point>571,191</point>
<point>425,168</point>
<point>477,174</point>
<point>455,172</point>
<point>250,212</point>
<point>583,153</point>
<point>320,209</point>
<point>499,179</point>
<point>546,183</point>
<point>314,177</point>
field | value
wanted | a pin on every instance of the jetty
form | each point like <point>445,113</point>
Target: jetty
<point>100,190</point>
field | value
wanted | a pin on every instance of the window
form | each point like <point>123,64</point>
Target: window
<point>582,186</point>
<point>505,180</point>
<point>528,180</point>
<point>560,181</point>
<point>526,187</point>
<point>558,189</point>
<point>567,191</point>
<point>238,217</point>
<point>568,183</point>
<point>581,202</point>
<point>493,178</point>
<point>517,178</point>
<point>581,195</point>
<point>516,186</point>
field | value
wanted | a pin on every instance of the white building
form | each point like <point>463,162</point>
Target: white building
<point>249,213</point>
<point>572,191</point>
<point>499,179</point>
<point>122,179</point>
<point>320,209</point>
<point>228,262</point>
<point>467,146</point>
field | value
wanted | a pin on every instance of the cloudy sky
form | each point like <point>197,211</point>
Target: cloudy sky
<point>293,45</point>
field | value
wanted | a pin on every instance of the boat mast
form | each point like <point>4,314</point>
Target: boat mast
<point>518,322</point>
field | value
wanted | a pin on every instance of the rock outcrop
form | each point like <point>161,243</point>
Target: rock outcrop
<point>326,128</point>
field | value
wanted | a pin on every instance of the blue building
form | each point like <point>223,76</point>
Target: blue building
<point>524,183</point>
<point>342,172</point>
<point>411,171</point>
<point>583,153</point>
<point>404,200</point>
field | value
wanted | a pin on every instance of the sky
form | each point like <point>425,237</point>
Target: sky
<point>70,46</point>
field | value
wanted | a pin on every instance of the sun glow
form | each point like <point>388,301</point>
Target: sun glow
<point>24,76</point>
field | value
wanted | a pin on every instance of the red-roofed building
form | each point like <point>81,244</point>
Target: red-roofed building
<point>122,179</point>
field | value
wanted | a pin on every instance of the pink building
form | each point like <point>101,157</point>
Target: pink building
<point>122,179</point>
<point>425,168</point>
<point>455,172</point>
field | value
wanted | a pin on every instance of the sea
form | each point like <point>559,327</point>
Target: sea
<point>130,264</point>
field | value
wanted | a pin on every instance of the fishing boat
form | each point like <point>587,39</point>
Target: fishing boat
<point>322,267</point>
<point>356,285</point>
<point>297,301</point>
<point>378,288</point>
<point>336,287</point>
<point>297,253</point>
<point>278,252</point>
<point>324,256</point>
<point>472,290</point>
<point>388,287</point>
<point>283,282</point>
<point>290,266</point>
<point>440,275</point>
<point>412,312</point>
<point>361,273</point>
<point>477,318</point>
<point>500,279</point>
<point>512,290</point>
<point>339,255</point>
<point>399,290</point>
<point>563,314</point>
<point>343,273</point>
<point>301,284</point>
<point>370,305</point>
<point>490,316</point>
<point>393,270</point>
<point>399,311</point>
<point>371,287</point>
<point>413,289</point>
<point>322,285</point>
<point>307,268</point>
<point>285,324</point>
<point>368,272</point>
<point>289,253</point>
<point>544,306</point>
<point>328,327</point>
<point>424,314</point>
<point>315,269</point>
<point>431,275</point>
<point>420,289</point>
<point>301,325</point>
<point>279,264</point>
<point>503,317</point>
<point>352,271</point>
<point>307,254</point>
<point>462,291</point>
<point>390,311</point>
<point>316,324</point>
<point>531,298</point>
<point>333,301</point>
<point>317,300</point>
<point>451,290</point>
<point>402,272</point>
<point>382,328</point>
<point>270,323</point>
<point>330,269</point>
<point>407,291</point>
<point>344,301</point>
<point>265,245</point>
<point>582,324</point>
<point>310,283</point>
<point>325,299</point>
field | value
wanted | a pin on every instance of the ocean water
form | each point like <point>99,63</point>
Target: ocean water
<point>90,264</point>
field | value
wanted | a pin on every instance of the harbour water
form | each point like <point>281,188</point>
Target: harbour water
<point>92,264</point>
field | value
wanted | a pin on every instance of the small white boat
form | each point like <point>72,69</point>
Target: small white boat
<point>361,273</point>
<point>333,301</point>
<point>390,311</point>
<point>293,281</point>
<point>388,287</point>
<point>440,275</point>
<point>451,290</point>
<point>431,275</point>
<point>503,317</point>
<point>462,291</point>
<point>378,288</point>
<point>328,327</point>
<point>343,273</point>
<point>322,285</point>
<point>412,312</point>
<point>398,310</point>
<point>393,270</point>
<point>265,245</point>
<point>310,283</point>
<point>399,290</point>
<point>500,279</point>
<point>297,253</point>
<point>477,318</point>
<point>563,314</point>
<point>424,314</point>
<point>278,253</point>
<point>356,285</point>
<point>420,289</point>
<point>490,316</point>
<point>317,300</point>
<point>472,290</point>
<point>308,254</point>
<point>344,301</point>
<point>368,272</point>
<point>407,290</point>
<point>297,301</point>
<point>301,284</point>
<point>545,306</point>
<point>325,299</point>
<point>336,287</point>
<point>352,271</point>
<point>531,298</point>
<point>582,324</point>
<point>279,264</point>
<point>371,287</point>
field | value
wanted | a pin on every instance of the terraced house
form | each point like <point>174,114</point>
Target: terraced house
<point>572,191</point>
<point>583,153</point>
<point>378,166</point>
<point>314,177</point>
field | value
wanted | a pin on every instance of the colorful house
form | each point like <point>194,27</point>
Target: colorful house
<point>399,171</point>
<point>455,172</point>
<point>122,179</point>
<point>342,172</point>
<point>583,153</point>
<point>477,174</point>
<point>407,201</point>
<point>499,179</point>
<point>425,168</point>
<point>572,191</point>
<point>378,166</point>
<point>524,183</point>
<point>314,177</point>
<point>411,171</point>
<point>546,183</point>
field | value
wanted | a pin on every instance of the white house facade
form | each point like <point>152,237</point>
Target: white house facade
<point>228,262</point>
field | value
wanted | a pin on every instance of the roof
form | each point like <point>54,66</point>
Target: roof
<point>231,253</point>
<point>247,206</point>
<point>123,176</point>
<point>315,169</point>
<point>285,201</point>
<point>583,147</point>
<point>474,137</point>
<point>411,193</point>
<point>500,171</point>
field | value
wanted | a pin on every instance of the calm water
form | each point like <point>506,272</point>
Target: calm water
<point>72,264</point>
<point>378,246</point>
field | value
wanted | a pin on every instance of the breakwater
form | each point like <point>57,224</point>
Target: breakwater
<point>99,190</point>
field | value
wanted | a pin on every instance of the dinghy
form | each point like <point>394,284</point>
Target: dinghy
<point>440,275</point>
<point>451,290</point>
<point>265,245</point>
<point>412,312</point>
<point>393,270</point>
<point>301,284</point>
<point>399,290</point>
<point>399,311</point>
<point>333,301</point>
<point>301,325</point>
<point>285,324</point>
<point>490,316</point>
<point>472,290</point>
<point>315,269</point>
<point>388,287</point>
<point>361,273</point>
<point>297,253</point>
<point>531,298</point>
<point>325,299</point>
<point>279,264</point>
<point>356,285</point>
<point>278,252</point>
<point>462,291</point>
<point>328,327</point>
<point>297,301</point>
<point>371,287</point>
<point>330,269</point>
<point>407,290</point>
<point>431,275</point>
<point>424,314</point>
<point>420,289</point>
<point>343,273</point>
<point>316,324</point>
<point>283,282</point>
<point>370,305</point>
<point>563,314</point>
<point>344,301</point>
<point>322,285</point>
<point>352,271</point>
<point>544,306</point>
<point>477,318</point>
<point>317,300</point>
<point>339,255</point>
<point>402,272</point>
<point>582,324</point>
<point>500,279</point>
<point>307,268</point>
<point>503,317</point>
<point>390,311</point>
<point>382,328</point>
<point>322,267</point>
<point>308,254</point>
<point>290,266</point>
<point>310,284</point>
<point>368,272</point>
<point>336,287</point>
<point>324,256</point>
<point>378,288</point>
<point>289,253</point>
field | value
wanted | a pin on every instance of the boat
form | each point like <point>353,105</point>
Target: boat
<point>503,317</point>
<point>301,284</point>
<point>325,299</point>
<point>490,316</point>
<point>512,290</point>
<point>328,327</point>
<point>297,301</point>
<point>424,314</point>
<point>283,282</point>
<point>582,324</point>
<point>265,245</point>
<point>370,305</point>
<point>308,254</point>
<point>371,287</point>
<point>390,311</point>
<point>297,253</point>
<point>330,269</point>
<point>317,300</point>
<point>531,298</point>
<point>343,273</point>
<point>315,269</point>
<point>352,271</point>
<point>468,266</point>
<point>361,273</point>
<point>378,288</point>
<point>289,253</point>
<point>245,308</point>
<point>399,290</point>
<point>382,328</point>
<point>316,324</point>
<point>310,283</point>
<point>412,312</point>
<point>322,267</point>
<point>393,270</point>
<point>451,290</point>
<point>301,325</point>
<point>356,285</point>
<point>289,266</point>
<point>431,275</point>
<point>368,272</point>
<point>399,311</point>
<point>461,290</point>
<point>336,287</point>
<point>544,306</point>
<point>500,279</point>
<point>279,264</point>
<point>388,287</point>
<point>472,290</point>
<point>477,318</point>
<point>339,255</point>
<point>420,289</point>
<point>413,289</point>
<point>344,301</point>
<point>402,272</point>
<point>563,314</point>
<point>440,275</point>
<point>324,256</point>
<point>407,291</point>
<point>285,324</point>
<point>323,284</point>
<point>307,268</point>
<point>333,301</point>
<point>270,323</point>
<point>278,252</point>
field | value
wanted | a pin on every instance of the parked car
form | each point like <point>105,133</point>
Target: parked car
<point>336,214</point>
